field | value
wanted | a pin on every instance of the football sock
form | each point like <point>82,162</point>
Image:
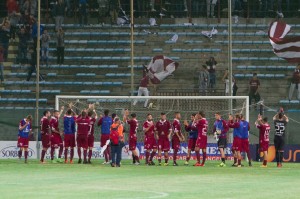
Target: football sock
<point>52,153</point>
<point>187,158</point>
<point>223,160</point>
<point>152,155</point>
<point>265,162</point>
<point>166,158</point>
<point>239,161</point>
<point>137,159</point>
<point>20,153</point>
<point>281,156</point>
<point>175,155</point>
<point>90,154</point>
<point>43,155</point>
<point>26,155</point>
<point>235,160</point>
<point>79,152</point>
<point>277,157</point>
<point>249,156</point>
<point>133,158</point>
<point>106,155</point>
<point>71,154</point>
<point>60,151</point>
<point>159,159</point>
<point>147,156</point>
<point>56,153</point>
<point>84,154</point>
<point>66,154</point>
<point>204,158</point>
<point>109,152</point>
<point>198,156</point>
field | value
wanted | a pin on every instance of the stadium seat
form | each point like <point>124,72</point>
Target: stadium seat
<point>15,91</point>
<point>50,91</point>
<point>22,100</point>
<point>94,92</point>
<point>85,74</point>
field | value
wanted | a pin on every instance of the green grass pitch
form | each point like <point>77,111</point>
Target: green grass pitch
<point>33,180</point>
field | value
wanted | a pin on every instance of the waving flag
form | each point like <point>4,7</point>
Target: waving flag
<point>284,47</point>
<point>160,67</point>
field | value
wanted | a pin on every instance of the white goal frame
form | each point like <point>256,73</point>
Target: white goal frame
<point>246,98</point>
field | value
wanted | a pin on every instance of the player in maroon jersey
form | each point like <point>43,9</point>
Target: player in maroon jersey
<point>83,128</point>
<point>163,131</point>
<point>133,124</point>
<point>56,140</point>
<point>93,117</point>
<point>264,132</point>
<point>150,143</point>
<point>45,133</point>
<point>192,129</point>
<point>177,137</point>
<point>234,122</point>
<point>201,142</point>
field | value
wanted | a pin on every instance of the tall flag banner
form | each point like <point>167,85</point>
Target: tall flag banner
<point>284,47</point>
<point>160,67</point>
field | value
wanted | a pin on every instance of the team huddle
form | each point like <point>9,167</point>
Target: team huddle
<point>159,137</point>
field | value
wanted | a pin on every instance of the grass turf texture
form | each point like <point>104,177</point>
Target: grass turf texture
<point>33,180</point>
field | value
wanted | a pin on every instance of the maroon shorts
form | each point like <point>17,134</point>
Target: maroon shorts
<point>56,140</point>
<point>263,146</point>
<point>175,143</point>
<point>82,141</point>
<point>69,140</point>
<point>192,144</point>
<point>244,145</point>
<point>46,140</point>
<point>150,143</point>
<point>201,142</point>
<point>23,142</point>
<point>164,144</point>
<point>236,144</point>
<point>132,142</point>
<point>91,140</point>
<point>103,139</point>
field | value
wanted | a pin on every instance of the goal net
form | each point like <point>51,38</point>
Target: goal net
<point>186,105</point>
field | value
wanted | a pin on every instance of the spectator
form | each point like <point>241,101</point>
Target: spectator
<point>45,39</point>
<point>203,79</point>
<point>83,12</point>
<point>102,9</point>
<point>279,7</point>
<point>225,79</point>
<point>60,10</point>
<point>60,46</point>
<point>1,64</point>
<point>211,63</point>
<point>32,62</point>
<point>210,4</point>
<point>23,45</point>
<point>198,7</point>
<point>295,83</point>
<point>4,37</point>
<point>254,85</point>
<point>29,7</point>
<point>113,10</point>
<point>141,7</point>
<point>13,9</point>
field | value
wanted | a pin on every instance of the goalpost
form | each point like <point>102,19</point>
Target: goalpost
<point>186,105</point>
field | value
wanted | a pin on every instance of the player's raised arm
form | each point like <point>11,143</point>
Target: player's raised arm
<point>275,116</point>
<point>125,116</point>
<point>24,126</point>
<point>61,111</point>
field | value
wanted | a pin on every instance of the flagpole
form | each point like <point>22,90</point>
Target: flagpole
<point>230,53</point>
<point>132,47</point>
<point>37,91</point>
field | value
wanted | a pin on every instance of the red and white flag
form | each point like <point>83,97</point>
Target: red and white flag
<point>284,47</point>
<point>160,67</point>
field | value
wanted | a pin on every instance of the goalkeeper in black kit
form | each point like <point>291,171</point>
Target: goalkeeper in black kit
<point>280,122</point>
